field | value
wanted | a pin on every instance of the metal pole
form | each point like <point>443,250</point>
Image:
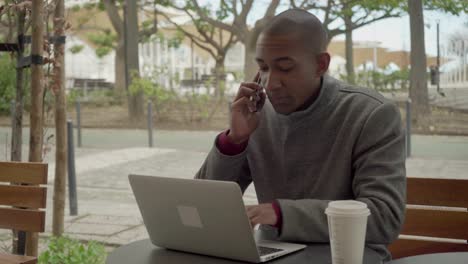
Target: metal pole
<point>71,171</point>
<point>127,74</point>
<point>150,123</point>
<point>12,113</point>
<point>438,61</point>
<point>408,128</point>
<point>192,64</point>
<point>78,121</point>
<point>6,146</point>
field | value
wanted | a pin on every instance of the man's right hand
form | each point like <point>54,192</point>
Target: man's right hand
<point>244,121</point>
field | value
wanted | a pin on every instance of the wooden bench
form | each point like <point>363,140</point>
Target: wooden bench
<point>436,218</point>
<point>21,201</point>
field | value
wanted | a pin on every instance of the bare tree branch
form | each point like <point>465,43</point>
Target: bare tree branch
<point>210,20</point>
<point>190,35</point>
<point>292,3</point>
<point>244,12</point>
<point>234,8</point>
<point>301,5</point>
<point>333,33</point>
<point>202,32</point>
<point>114,16</point>
<point>202,46</point>
<point>153,30</point>
<point>270,12</point>
<point>371,21</point>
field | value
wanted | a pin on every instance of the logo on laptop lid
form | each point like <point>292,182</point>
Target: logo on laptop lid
<point>189,216</point>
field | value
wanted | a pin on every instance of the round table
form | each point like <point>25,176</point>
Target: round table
<point>144,252</point>
<point>439,258</point>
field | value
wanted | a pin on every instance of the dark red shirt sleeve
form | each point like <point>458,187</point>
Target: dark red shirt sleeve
<point>279,217</point>
<point>229,148</point>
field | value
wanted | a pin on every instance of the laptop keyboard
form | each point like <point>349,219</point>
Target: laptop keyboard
<point>267,250</point>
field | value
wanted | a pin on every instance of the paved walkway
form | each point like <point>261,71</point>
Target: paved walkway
<point>107,209</point>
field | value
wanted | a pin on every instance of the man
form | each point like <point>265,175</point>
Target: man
<point>315,140</point>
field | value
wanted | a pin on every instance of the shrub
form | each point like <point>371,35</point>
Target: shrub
<point>7,83</point>
<point>64,250</point>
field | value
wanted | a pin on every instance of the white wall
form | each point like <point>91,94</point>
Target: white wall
<point>86,64</point>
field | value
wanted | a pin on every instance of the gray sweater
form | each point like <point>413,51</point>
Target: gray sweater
<point>349,144</point>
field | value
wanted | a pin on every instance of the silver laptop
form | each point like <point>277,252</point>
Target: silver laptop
<point>201,216</point>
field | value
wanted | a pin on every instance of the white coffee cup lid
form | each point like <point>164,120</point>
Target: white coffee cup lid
<point>347,207</point>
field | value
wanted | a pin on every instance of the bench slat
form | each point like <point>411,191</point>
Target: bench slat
<point>433,223</point>
<point>22,219</point>
<point>23,172</point>
<point>23,196</point>
<point>16,259</point>
<point>437,192</point>
<point>405,248</point>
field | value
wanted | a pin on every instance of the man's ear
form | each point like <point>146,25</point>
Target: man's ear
<point>323,61</point>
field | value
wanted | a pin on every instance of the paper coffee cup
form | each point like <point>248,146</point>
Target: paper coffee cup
<point>347,222</point>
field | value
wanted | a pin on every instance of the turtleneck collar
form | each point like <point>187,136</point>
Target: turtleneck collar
<point>327,92</point>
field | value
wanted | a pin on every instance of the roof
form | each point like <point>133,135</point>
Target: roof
<point>364,53</point>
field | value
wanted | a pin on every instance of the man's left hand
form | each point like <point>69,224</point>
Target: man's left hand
<point>261,214</point>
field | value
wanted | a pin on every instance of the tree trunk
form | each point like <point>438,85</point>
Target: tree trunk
<point>250,66</point>
<point>17,128</point>
<point>220,77</point>
<point>418,79</point>
<point>119,68</point>
<point>349,50</point>
<point>136,101</point>
<point>37,87</point>
<point>17,133</point>
<point>60,123</point>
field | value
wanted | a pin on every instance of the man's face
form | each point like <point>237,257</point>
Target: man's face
<point>289,73</point>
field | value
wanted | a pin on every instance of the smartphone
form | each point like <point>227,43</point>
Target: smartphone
<point>257,98</point>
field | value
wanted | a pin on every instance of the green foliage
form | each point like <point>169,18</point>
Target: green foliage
<point>89,6</point>
<point>105,42</point>
<point>454,7</point>
<point>223,12</point>
<point>7,82</point>
<point>75,8</point>
<point>382,81</point>
<point>102,97</point>
<point>101,6</point>
<point>176,40</point>
<point>199,106</point>
<point>83,20</point>
<point>161,98</point>
<point>193,106</point>
<point>73,95</point>
<point>76,49</point>
<point>147,24</point>
<point>64,250</point>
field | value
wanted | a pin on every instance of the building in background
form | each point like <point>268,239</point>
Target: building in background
<point>185,66</point>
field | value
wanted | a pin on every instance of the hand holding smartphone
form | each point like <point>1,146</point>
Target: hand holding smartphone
<point>245,118</point>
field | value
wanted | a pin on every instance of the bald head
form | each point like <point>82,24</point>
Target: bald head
<point>301,25</point>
